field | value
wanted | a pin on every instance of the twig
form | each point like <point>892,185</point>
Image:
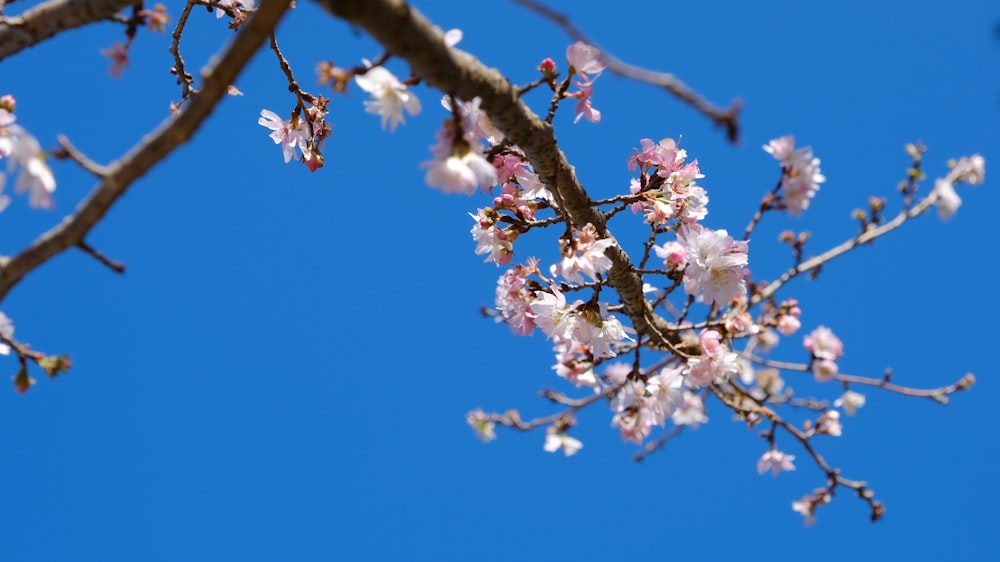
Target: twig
<point>151,150</point>
<point>113,265</point>
<point>80,158</point>
<point>51,18</point>
<point>728,118</point>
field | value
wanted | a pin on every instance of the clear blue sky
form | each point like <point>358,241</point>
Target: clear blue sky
<point>283,371</point>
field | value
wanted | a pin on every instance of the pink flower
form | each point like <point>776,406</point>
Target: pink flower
<point>283,133</point>
<point>513,299</point>
<point>788,324</point>
<point>588,259</point>
<point>118,53</point>
<point>823,344</point>
<point>584,107</point>
<point>715,363</point>
<point>802,176</point>
<point>673,253</point>
<point>829,423</point>
<point>824,369</point>
<point>715,265</point>
<point>970,169</point>
<point>775,461</point>
<point>585,59</point>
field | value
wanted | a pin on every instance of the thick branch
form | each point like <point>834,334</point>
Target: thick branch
<point>55,16</point>
<point>150,151</point>
<point>406,33</point>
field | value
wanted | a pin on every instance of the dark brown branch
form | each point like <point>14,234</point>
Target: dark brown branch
<point>151,150</point>
<point>55,16</point>
<point>116,266</point>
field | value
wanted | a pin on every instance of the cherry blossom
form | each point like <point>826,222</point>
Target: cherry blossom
<point>285,133</point>
<point>513,300</point>
<point>555,440</point>
<point>587,259</point>
<point>801,173</point>
<point>585,59</point>
<point>850,401</point>
<point>118,53</point>
<point>7,331</point>
<point>491,239</point>
<point>829,423</point>
<point>775,461</point>
<point>715,265</point>
<point>389,96</point>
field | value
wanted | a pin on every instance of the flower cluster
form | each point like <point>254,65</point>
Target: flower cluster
<point>968,169</point>
<point>25,157</point>
<point>459,164</point>
<point>675,194</point>
<point>307,135</point>
<point>801,175</point>
<point>826,348</point>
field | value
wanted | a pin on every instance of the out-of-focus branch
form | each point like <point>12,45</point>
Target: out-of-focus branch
<point>151,150</point>
<point>55,16</point>
<point>406,33</point>
<point>727,118</point>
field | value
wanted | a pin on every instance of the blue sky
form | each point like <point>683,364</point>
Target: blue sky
<point>284,370</point>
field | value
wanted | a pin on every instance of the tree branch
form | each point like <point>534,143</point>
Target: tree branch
<point>51,18</point>
<point>406,33</point>
<point>151,150</point>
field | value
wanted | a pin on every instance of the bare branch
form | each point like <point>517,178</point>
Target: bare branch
<point>151,150</point>
<point>55,16</point>
<point>727,118</point>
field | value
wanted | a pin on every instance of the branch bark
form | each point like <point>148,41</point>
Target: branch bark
<point>151,150</point>
<point>51,18</point>
<point>406,33</point>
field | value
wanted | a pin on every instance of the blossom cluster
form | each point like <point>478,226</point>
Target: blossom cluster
<point>801,174</point>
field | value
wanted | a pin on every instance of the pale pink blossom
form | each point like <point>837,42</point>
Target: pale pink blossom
<point>715,265</point>
<point>788,324</point>
<point>716,362</point>
<point>691,411</point>
<point>513,299</point>
<point>118,53</point>
<point>552,315</point>
<point>572,367</point>
<point>673,253</point>
<point>491,240</point>
<point>829,423</point>
<point>585,59</point>
<point>824,369</point>
<point>823,344</point>
<point>482,425</point>
<point>801,173</point>
<point>970,169</point>
<point>555,440</point>
<point>947,200</point>
<point>389,96</point>
<point>617,373</point>
<point>452,37</point>
<point>286,134</point>
<point>587,259</point>
<point>850,401</point>
<point>25,155</point>
<point>460,174</point>
<point>584,105</point>
<point>775,461</point>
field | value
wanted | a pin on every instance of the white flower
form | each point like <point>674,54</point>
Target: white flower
<point>715,264</point>
<point>775,461</point>
<point>7,331</point>
<point>557,440</point>
<point>947,200</point>
<point>454,174</point>
<point>284,134</point>
<point>389,96</point>
<point>850,401</point>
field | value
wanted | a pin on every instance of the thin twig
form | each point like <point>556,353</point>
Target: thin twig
<point>113,265</point>
<point>728,118</point>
